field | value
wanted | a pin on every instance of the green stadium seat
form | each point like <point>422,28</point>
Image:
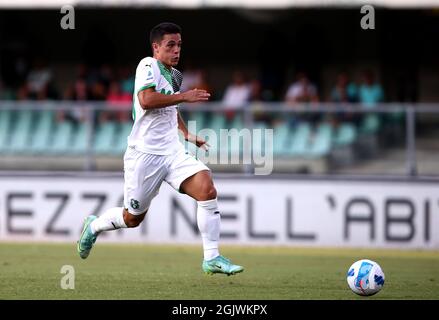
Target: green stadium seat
<point>5,129</point>
<point>398,116</point>
<point>43,134</point>
<point>237,123</point>
<point>62,138</point>
<point>258,138</point>
<point>346,135</point>
<point>105,138</point>
<point>217,123</point>
<point>370,124</point>
<point>22,132</point>
<point>199,118</point>
<point>233,147</point>
<point>120,144</point>
<point>321,142</point>
<point>281,139</point>
<point>300,140</point>
<point>79,140</point>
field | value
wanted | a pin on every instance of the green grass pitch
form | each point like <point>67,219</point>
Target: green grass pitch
<point>159,272</point>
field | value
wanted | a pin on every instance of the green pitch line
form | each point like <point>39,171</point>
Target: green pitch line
<point>32,271</point>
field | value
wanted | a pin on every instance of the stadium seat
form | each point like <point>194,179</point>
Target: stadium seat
<point>281,139</point>
<point>299,140</point>
<point>41,138</point>
<point>22,133</point>
<point>120,144</point>
<point>345,135</point>
<point>79,140</point>
<point>199,118</point>
<point>5,129</point>
<point>321,142</point>
<point>398,116</point>
<point>105,138</point>
<point>233,146</point>
<point>62,138</point>
<point>237,122</point>
<point>370,124</point>
<point>258,138</point>
<point>217,123</point>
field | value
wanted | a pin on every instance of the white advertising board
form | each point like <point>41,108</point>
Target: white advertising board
<point>260,211</point>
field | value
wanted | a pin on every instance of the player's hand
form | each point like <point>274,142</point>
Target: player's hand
<point>196,95</point>
<point>199,142</point>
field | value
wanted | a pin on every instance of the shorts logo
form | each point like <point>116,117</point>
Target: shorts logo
<point>134,204</point>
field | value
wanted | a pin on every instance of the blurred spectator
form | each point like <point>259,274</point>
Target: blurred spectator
<point>257,95</point>
<point>106,75</point>
<point>202,82</point>
<point>191,78</point>
<point>75,92</point>
<point>370,91</point>
<point>302,90</point>
<point>37,82</point>
<point>21,68</point>
<point>15,69</point>
<point>195,78</point>
<point>344,91</point>
<point>256,90</point>
<point>237,94</point>
<point>98,91</point>
<point>5,93</point>
<point>23,93</point>
<point>119,104</point>
<point>78,91</point>
<point>115,93</point>
<point>126,80</point>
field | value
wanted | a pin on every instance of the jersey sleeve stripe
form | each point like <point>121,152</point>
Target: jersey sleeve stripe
<point>151,85</point>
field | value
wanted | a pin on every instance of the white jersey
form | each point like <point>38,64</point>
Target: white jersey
<point>154,131</point>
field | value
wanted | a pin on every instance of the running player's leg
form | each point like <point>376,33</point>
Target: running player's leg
<point>190,176</point>
<point>144,174</point>
<point>112,219</point>
<point>200,187</point>
<point>116,218</point>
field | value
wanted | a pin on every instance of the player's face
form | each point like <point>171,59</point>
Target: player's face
<point>168,50</point>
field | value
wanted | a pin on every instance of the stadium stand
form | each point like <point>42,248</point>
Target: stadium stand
<point>40,133</point>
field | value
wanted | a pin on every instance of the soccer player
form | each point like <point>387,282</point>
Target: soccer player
<point>155,154</point>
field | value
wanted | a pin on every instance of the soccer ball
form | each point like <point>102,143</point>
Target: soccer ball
<point>365,277</point>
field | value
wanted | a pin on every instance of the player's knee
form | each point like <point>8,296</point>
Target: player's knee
<point>209,193</point>
<point>132,220</point>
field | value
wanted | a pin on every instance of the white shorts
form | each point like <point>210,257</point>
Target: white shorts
<point>145,172</point>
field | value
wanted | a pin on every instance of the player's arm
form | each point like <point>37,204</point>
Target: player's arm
<point>150,99</point>
<point>199,142</point>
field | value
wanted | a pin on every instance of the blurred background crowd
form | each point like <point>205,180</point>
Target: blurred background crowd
<point>258,60</point>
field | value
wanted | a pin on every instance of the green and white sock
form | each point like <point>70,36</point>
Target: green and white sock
<point>111,219</point>
<point>208,221</point>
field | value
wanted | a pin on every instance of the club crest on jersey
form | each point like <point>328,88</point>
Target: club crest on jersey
<point>149,76</point>
<point>134,204</point>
